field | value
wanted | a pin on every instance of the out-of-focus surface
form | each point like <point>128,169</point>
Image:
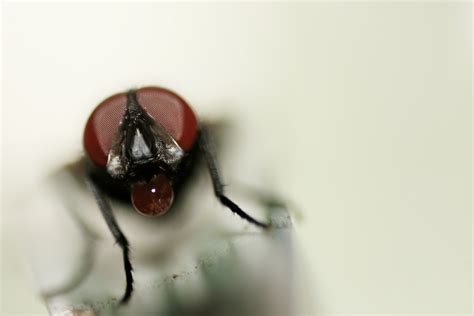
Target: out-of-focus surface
<point>192,261</point>
<point>358,113</point>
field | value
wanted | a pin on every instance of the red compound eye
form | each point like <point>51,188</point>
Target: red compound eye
<point>152,198</point>
<point>165,106</point>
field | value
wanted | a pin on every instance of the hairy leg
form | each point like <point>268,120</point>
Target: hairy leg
<point>120,238</point>
<point>207,148</point>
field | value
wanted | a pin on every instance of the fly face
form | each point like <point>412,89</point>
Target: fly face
<point>140,141</point>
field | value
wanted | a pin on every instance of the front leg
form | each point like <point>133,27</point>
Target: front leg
<point>206,146</point>
<point>120,238</point>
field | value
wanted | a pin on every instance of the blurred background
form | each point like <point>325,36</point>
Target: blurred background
<point>358,114</point>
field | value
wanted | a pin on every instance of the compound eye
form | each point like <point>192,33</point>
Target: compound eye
<point>154,197</point>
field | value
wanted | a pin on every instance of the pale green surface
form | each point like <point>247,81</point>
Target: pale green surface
<point>191,261</point>
<point>360,113</point>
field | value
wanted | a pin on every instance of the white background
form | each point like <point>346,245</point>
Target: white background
<point>359,113</point>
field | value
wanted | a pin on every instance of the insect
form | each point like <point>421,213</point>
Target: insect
<point>141,143</point>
